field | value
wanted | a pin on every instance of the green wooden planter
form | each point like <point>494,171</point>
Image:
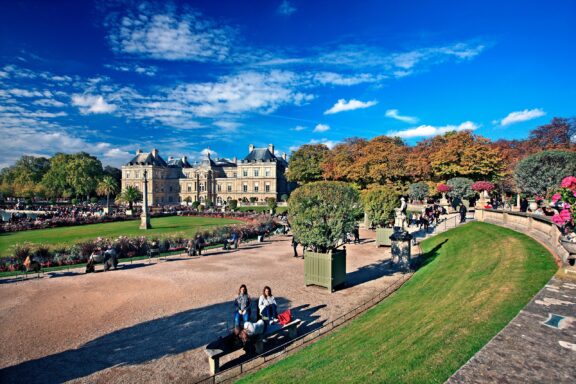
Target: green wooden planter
<point>383,236</point>
<point>325,269</point>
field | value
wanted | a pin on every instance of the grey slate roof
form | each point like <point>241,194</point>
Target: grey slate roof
<point>260,154</point>
<point>147,159</point>
<point>179,163</point>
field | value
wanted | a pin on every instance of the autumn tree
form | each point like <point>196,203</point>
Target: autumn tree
<point>342,163</point>
<point>560,133</point>
<point>305,163</point>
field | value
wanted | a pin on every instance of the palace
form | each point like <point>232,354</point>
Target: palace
<point>260,175</point>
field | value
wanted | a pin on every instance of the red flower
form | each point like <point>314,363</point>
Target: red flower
<point>443,188</point>
<point>480,186</point>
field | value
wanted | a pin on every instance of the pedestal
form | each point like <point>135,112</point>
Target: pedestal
<point>145,222</point>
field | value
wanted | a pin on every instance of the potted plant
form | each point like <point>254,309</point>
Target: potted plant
<point>443,189</point>
<point>320,214</point>
<point>460,191</point>
<point>379,204</point>
<point>483,188</point>
<point>564,200</point>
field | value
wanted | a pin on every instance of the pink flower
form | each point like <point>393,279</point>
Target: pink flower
<point>565,215</point>
<point>556,197</point>
<point>569,182</point>
<point>558,220</point>
<point>480,186</point>
<point>443,188</point>
<point>566,206</point>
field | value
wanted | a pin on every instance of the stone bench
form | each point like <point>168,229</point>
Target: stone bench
<point>226,345</point>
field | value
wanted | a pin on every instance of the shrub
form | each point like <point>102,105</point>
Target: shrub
<point>460,187</point>
<point>93,200</point>
<point>284,197</point>
<point>418,191</point>
<point>233,204</point>
<point>253,199</point>
<point>21,252</point>
<point>272,204</point>
<point>379,204</point>
<point>321,212</point>
<point>74,201</point>
<point>542,172</point>
<point>195,204</point>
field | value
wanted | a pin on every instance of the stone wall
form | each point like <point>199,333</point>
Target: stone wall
<point>538,227</point>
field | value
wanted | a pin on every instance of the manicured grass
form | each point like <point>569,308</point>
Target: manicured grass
<point>161,226</point>
<point>476,278</point>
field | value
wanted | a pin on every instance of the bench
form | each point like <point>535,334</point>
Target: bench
<point>228,344</point>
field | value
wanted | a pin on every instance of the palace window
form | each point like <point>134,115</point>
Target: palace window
<point>245,187</point>
<point>189,187</point>
<point>136,175</point>
<point>219,188</point>
<point>201,187</point>
<point>235,174</point>
<point>256,187</point>
<point>245,172</point>
<point>256,172</point>
<point>127,174</point>
<point>267,172</point>
<point>267,187</point>
<point>229,187</point>
<point>170,188</point>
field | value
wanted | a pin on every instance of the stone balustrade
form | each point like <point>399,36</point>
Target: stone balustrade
<point>538,227</point>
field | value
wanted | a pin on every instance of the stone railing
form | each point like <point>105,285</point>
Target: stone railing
<point>539,227</point>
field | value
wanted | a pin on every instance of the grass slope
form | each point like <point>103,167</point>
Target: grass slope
<point>182,225</point>
<point>476,278</point>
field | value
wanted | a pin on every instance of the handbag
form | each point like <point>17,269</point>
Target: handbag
<point>285,317</point>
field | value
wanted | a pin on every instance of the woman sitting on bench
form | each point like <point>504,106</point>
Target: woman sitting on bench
<point>267,306</point>
<point>242,306</point>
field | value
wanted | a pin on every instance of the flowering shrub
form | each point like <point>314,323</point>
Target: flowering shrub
<point>443,188</point>
<point>564,200</point>
<point>481,186</point>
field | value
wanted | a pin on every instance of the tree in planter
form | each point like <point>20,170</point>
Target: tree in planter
<point>106,187</point>
<point>233,204</point>
<point>540,173</point>
<point>272,204</point>
<point>321,212</point>
<point>284,197</point>
<point>379,204</point>
<point>418,191</point>
<point>461,188</point>
<point>253,200</point>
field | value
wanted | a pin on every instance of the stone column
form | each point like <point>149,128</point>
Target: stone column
<point>145,218</point>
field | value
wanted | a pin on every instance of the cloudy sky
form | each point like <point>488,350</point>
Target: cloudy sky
<point>109,77</point>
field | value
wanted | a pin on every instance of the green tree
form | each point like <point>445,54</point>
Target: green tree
<point>284,197</point>
<point>131,195</point>
<point>379,204</point>
<point>305,163</point>
<point>321,212</point>
<point>55,180</point>
<point>106,187</point>
<point>187,199</point>
<point>83,173</point>
<point>461,188</point>
<point>418,191</point>
<point>542,172</point>
<point>233,204</point>
<point>272,204</point>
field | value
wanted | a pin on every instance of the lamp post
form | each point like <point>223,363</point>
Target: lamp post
<point>144,217</point>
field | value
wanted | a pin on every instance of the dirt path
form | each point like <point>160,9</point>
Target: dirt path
<point>149,322</point>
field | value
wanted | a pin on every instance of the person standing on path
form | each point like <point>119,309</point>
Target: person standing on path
<point>463,211</point>
<point>295,246</point>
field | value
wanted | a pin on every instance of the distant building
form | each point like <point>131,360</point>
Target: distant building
<point>259,175</point>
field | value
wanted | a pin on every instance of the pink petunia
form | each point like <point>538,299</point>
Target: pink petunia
<point>556,197</point>
<point>565,215</point>
<point>566,206</point>
<point>569,182</point>
<point>558,220</point>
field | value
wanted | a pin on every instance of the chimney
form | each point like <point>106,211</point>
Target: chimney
<point>155,153</point>
<point>271,148</point>
<point>234,160</point>
<point>250,148</point>
<point>170,158</point>
<point>184,159</point>
<point>284,155</point>
<point>138,151</point>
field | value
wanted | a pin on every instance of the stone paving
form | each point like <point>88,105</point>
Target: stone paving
<point>538,346</point>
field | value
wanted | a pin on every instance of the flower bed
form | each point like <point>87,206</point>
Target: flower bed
<point>127,247</point>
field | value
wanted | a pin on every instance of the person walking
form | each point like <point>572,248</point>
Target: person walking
<point>295,246</point>
<point>463,211</point>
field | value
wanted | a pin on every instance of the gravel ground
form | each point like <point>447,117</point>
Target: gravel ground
<point>149,322</point>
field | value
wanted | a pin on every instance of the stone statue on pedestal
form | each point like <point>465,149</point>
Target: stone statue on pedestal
<point>145,218</point>
<point>400,215</point>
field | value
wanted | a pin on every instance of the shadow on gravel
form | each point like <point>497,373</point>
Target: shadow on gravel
<point>371,272</point>
<point>138,344</point>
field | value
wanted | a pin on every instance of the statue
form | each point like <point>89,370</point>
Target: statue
<point>400,215</point>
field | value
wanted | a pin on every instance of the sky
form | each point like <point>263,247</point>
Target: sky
<point>110,77</point>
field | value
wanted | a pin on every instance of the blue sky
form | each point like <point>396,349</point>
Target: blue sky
<point>109,77</point>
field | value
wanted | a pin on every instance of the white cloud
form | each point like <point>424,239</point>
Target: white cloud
<point>25,93</point>
<point>92,104</point>
<point>169,32</point>
<point>429,130</point>
<point>286,8</point>
<point>329,143</point>
<point>519,116</point>
<point>208,151</point>
<point>321,128</point>
<point>147,70</point>
<point>49,103</point>
<point>298,128</point>
<point>333,78</point>
<point>343,105</point>
<point>393,113</point>
<point>227,126</point>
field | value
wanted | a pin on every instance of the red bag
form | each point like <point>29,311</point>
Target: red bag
<point>285,317</point>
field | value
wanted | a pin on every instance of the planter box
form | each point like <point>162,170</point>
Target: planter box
<point>325,269</point>
<point>383,236</point>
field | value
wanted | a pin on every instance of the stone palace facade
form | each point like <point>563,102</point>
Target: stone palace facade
<point>261,174</point>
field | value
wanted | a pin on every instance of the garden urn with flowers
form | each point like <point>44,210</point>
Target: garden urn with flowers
<point>483,188</point>
<point>443,189</point>
<point>564,200</point>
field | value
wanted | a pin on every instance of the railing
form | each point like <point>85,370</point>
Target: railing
<point>539,227</point>
<point>280,351</point>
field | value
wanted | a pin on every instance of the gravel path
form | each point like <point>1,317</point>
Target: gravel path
<point>149,322</point>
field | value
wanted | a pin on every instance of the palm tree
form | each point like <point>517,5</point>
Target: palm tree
<point>131,195</point>
<point>106,187</point>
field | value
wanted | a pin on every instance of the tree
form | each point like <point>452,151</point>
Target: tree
<point>114,172</point>
<point>106,187</point>
<point>131,195</point>
<point>342,162</point>
<point>558,134</point>
<point>542,172</point>
<point>55,180</point>
<point>305,163</point>
<point>272,204</point>
<point>418,191</point>
<point>187,199</point>
<point>233,204</point>
<point>284,197</point>
<point>83,172</point>
<point>461,188</point>
<point>253,199</point>
<point>195,204</point>
<point>379,204</point>
<point>321,212</point>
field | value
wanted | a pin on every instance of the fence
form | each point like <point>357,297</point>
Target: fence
<point>281,351</point>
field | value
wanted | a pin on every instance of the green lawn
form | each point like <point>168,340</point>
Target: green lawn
<point>184,225</point>
<point>476,278</point>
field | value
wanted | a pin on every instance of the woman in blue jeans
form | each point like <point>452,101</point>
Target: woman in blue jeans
<point>267,306</point>
<point>242,306</point>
